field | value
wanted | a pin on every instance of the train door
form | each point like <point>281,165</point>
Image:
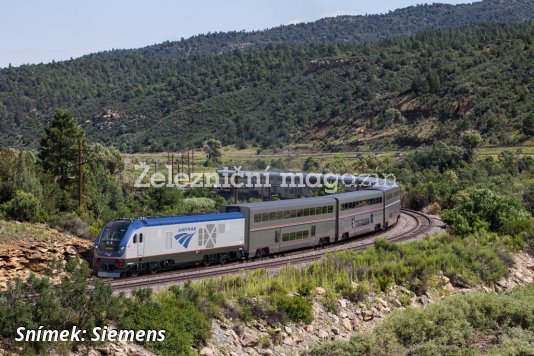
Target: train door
<point>353,227</point>
<point>140,245</point>
<point>277,241</point>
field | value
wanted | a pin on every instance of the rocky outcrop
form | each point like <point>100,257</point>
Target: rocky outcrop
<point>258,338</point>
<point>18,259</point>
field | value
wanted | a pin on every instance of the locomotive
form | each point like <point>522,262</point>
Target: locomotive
<point>127,247</point>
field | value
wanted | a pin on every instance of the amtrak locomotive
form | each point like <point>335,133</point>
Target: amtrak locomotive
<point>147,245</point>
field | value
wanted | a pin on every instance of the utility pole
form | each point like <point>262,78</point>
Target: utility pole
<point>193,160</point>
<point>172,165</point>
<point>80,174</point>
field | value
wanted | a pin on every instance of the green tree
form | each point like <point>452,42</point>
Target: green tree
<point>212,148</point>
<point>310,165</point>
<point>528,125</point>
<point>58,153</point>
<point>471,139</point>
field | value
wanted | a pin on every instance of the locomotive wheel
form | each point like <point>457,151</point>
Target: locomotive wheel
<point>153,268</point>
<point>206,261</point>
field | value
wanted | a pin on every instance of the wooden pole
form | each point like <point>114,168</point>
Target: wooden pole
<point>80,174</point>
<point>193,160</point>
<point>172,165</point>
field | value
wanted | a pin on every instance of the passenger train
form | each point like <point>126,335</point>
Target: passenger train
<point>128,247</point>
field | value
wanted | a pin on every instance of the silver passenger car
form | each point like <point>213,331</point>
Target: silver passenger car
<point>285,225</point>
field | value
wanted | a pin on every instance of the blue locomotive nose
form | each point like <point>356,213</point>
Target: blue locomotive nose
<point>109,243</point>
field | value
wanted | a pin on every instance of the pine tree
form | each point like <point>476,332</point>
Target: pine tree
<point>59,148</point>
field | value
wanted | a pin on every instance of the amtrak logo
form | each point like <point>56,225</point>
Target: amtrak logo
<point>207,236</point>
<point>184,238</point>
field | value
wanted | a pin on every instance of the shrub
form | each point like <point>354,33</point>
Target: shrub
<point>329,300</point>
<point>296,308</point>
<point>264,342</point>
<point>353,293</point>
<point>185,324</point>
<point>72,302</point>
<point>450,327</point>
<point>477,209</point>
<point>24,207</point>
<point>305,288</point>
<point>72,224</point>
<point>405,300</point>
<point>197,205</point>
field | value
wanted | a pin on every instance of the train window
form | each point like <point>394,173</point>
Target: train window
<point>330,209</point>
<point>272,216</point>
<point>305,234</point>
<point>140,238</point>
<point>299,213</point>
<point>286,214</point>
<point>265,217</point>
<point>312,231</point>
<point>277,236</point>
<point>293,213</point>
<point>135,239</point>
<point>292,236</point>
<point>299,235</point>
<point>324,209</point>
<point>306,212</point>
<point>312,211</point>
<point>257,218</point>
<point>279,215</point>
<point>285,237</point>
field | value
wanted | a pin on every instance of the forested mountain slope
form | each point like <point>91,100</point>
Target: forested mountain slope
<point>395,92</point>
<point>352,29</point>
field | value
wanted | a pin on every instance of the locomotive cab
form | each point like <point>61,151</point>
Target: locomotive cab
<point>109,246</point>
<point>112,235</point>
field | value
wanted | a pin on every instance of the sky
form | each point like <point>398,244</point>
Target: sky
<point>39,31</point>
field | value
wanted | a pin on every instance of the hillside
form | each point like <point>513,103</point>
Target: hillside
<point>404,91</point>
<point>349,29</point>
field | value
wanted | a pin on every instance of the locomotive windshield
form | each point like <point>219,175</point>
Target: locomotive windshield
<point>112,235</point>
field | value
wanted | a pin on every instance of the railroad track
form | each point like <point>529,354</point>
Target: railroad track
<point>422,224</point>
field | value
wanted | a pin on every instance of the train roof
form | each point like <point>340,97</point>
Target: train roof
<point>288,203</point>
<point>366,193</point>
<point>184,219</point>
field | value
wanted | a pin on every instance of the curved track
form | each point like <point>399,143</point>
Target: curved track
<point>412,225</point>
